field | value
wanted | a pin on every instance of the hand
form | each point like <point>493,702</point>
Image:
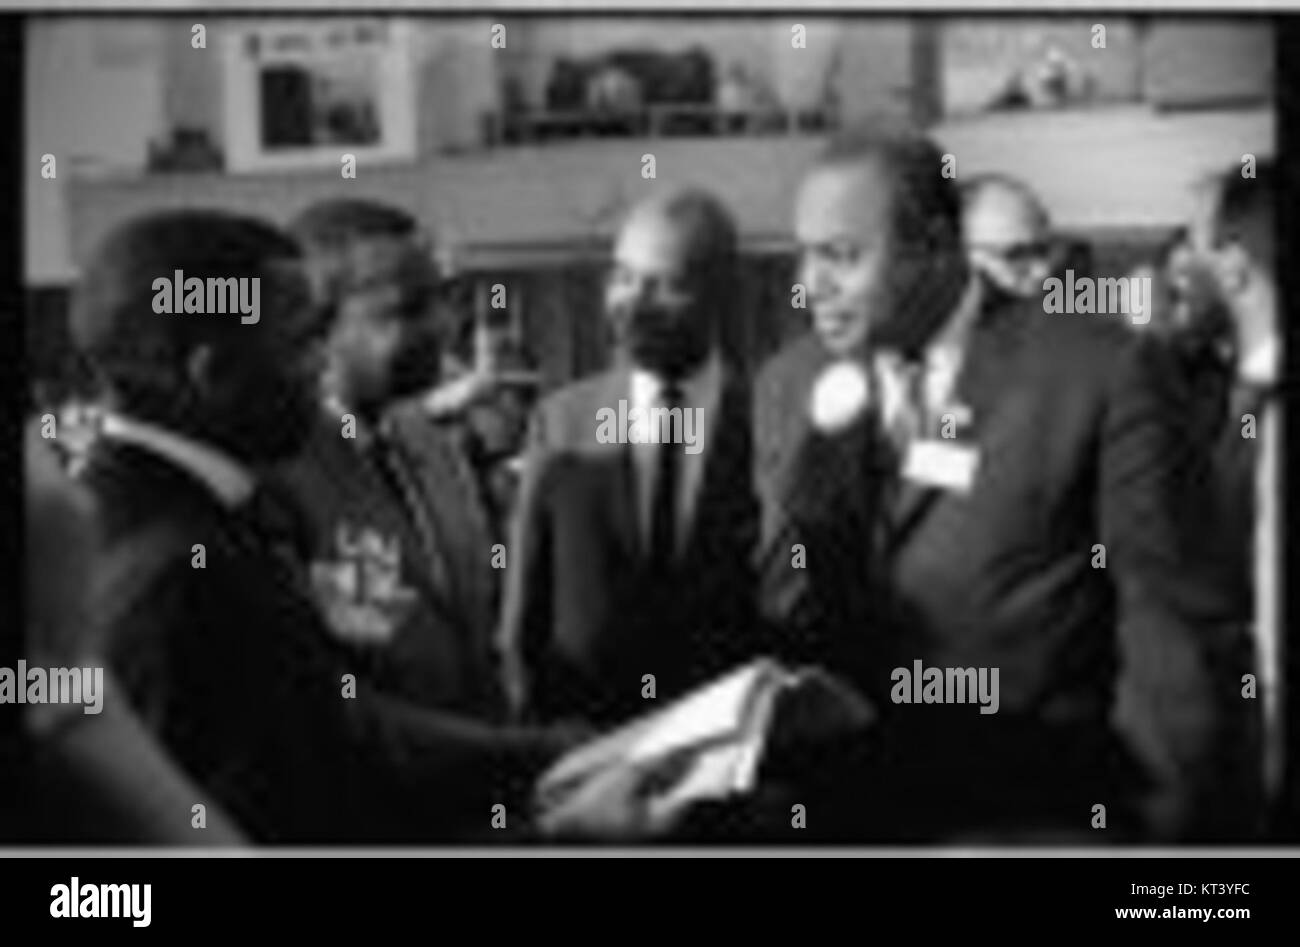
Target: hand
<point>454,397</point>
<point>565,735</point>
<point>535,748</point>
<point>821,706</point>
<point>615,804</point>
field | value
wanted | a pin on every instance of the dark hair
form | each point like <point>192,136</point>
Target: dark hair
<point>1244,212</point>
<point>927,205</point>
<point>339,222</point>
<point>329,230</point>
<point>112,319</point>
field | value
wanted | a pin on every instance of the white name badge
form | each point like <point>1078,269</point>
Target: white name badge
<point>943,464</point>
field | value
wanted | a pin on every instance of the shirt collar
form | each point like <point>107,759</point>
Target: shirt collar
<point>1259,365</point>
<point>946,347</point>
<point>949,342</point>
<point>366,433</point>
<point>941,362</point>
<point>229,480</point>
<point>646,387</point>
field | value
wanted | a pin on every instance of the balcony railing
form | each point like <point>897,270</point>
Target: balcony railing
<point>527,126</point>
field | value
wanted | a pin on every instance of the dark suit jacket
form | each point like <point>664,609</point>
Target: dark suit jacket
<point>231,667</point>
<point>585,618</point>
<point>1079,443</point>
<point>427,639</point>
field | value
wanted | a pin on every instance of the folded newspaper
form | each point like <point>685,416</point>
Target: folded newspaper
<point>710,743</point>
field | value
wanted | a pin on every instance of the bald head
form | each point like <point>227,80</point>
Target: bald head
<point>673,279</point>
<point>1001,210</point>
<point>691,227</point>
<point>1007,233</point>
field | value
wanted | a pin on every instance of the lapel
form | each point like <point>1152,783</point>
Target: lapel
<point>624,505</point>
<point>990,346</point>
<point>421,479</point>
<point>474,522</point>
<point>458,521</point>
<point>704,392</point>
<point>701,395</point>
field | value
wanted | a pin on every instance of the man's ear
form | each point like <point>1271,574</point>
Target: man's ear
<point>200,371</point>
<point>1232,267</point>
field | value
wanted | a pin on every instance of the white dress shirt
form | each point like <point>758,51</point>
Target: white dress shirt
<point>943,359</point>
<point>645,391</point>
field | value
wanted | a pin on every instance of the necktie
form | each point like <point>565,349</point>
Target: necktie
<point>908,421</point>
<point>900,424</point>
<point>663,497</point>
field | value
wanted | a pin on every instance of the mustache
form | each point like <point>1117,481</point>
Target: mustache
<point>647,313</point>
<point>416,366</point>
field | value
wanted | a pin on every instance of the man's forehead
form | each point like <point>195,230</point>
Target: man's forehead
<point>999,215</point>
<point>843,200</point>
<point>651,238</point>
<point>382,260</point>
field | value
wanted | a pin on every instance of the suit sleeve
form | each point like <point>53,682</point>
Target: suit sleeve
<point>1167,701</point>
<point>252,702</point>
<point>408,760</point>
<point>813,550</point>
<point>782,591</point>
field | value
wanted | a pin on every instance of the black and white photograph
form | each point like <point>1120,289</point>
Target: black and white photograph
<point>632,429</point>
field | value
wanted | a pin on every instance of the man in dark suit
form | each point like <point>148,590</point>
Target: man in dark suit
<point>979,487</point>
<point>1233,241</point>
<point>207,619</point>
<point>630,553</point>
<point>401,551</point>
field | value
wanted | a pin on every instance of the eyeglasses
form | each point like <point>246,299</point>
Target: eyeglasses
<point>1016,252</point>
